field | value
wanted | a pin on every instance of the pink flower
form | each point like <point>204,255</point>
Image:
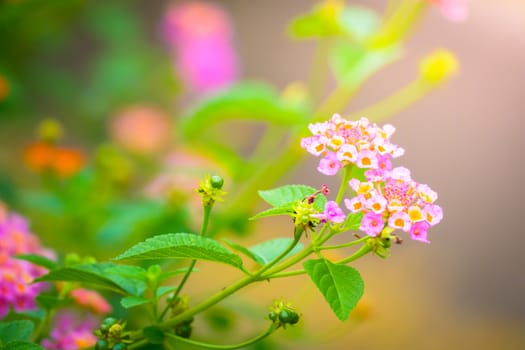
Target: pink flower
<point>329,165</point>
<point>341,142</point>
<point>332,213</point>
<point>16,288</point>
<point>199,35</point>
<point>141,129</point>
<point>90,300</point>
<point>70,332</point>
<point>453,10</point>
<point>418,231</point>
<point>372,224</point>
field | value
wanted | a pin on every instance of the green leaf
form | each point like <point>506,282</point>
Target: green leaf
<point>168,274</point>
<point>121,279</point>
<point>15,330</point>
<point>314,25</point>
<point>21,345</point>
<point>165,290</point>
<point>354,63</point>
<point>181,245</point>
<point>269,250</point>
<point>289,194</point>
<point>153,334</point>
<point>132,301</point>
<point>244,101</point>
<point>265,252</point>
<point>341,285</point>
<point>359,22</point>
<point>38,260</point>
<point>284,210</point>
<point>353,222</point>
<point>50,301</point>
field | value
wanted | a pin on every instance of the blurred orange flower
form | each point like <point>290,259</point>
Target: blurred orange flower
<point>91,300</point>
<point>42,156</point>
<point>141,129</point>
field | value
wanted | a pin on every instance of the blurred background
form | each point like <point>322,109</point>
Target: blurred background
<point>82,64</point>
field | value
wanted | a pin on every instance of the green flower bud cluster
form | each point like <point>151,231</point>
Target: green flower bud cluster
<point>111,335</point>
<point>211,190</point>
<point>184,328</point>
<point>303,216</point>
<point>283,314</point>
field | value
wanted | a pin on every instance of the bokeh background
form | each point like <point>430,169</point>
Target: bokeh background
<point>465,289</point>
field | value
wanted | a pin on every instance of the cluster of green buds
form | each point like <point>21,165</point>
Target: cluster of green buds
<point>211,190</point>
<point>111,335</point>
<point>178,306</point>
<point>283,314</point>
<point>381,244</point>
<point>304,212</point>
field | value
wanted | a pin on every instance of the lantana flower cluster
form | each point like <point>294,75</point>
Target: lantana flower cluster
<point>71,332</point>
<point>388,198</point>
<point>16,289</point>
<point>341,142</point>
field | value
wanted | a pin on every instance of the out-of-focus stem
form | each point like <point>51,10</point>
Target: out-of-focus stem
<point>319,70</point>
<point>396,102</point>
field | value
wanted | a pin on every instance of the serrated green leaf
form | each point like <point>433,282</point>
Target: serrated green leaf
<point>38,260</point>
<point>269,250</point>
<point>285,210</point>
<point>289,194</point>
<point>341,285</point>
<point>244,101</point>
<point>153,334</point>
<point>354,63</point>
<point>15,330</point>
<point>181,245</point>
<point>353,222</point>
<point>21,345</point>
<point>265,252</point>
<point>132,301</point>
<point>163,290</point>
<point>121,279</point>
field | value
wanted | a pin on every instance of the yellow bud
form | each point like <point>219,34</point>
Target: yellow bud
<point>50,130</point>
<point>438,67</point>
<point>331,9</point>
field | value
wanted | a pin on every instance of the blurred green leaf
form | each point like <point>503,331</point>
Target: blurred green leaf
<point>15,330</point>
<point>359,22</point>
<point>354,63</point>
<point>284,210</point>
<point>21,345</point>
<point>181,245</point>
<point>153,334</point>
<point>165,290</point>
<point>132,301</point>
<point>353,222</point>
<point>121,279</point>
<point>341,285</point>
<point>38,260</point>
<point>269,250</point>
<point>244,101</point>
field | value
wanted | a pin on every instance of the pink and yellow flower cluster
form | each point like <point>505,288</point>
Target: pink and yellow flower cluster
<point>341,142</point>
<point>388,198</point>
<point>16,276</point>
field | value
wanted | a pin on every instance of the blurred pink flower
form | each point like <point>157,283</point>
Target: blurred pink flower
<point>140,128</point>
<point>90,299</point>
<point>453,10</point>
<point>71,332</point>
<point>199,35</point>
<point>16,276</point>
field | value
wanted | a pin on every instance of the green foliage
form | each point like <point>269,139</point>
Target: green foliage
<point>265,252</point>
<point>15,330</point>
<point>341,285</point>
<point>354,63</point>
<point>21,345</point>
<point>284,210</point>
<point>352,222</point>
<point>244,101</point>
<point>359,23</point>
<point>181,245</point>
<point>38,260</point>
<point>123,279</point>
<point>289,194</point>
<point>132,301</point>
<point>153,334</point>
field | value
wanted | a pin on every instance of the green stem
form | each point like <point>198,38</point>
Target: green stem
<point>319,70</point>
<point>365,249</point>
<point>344,245</point>
<point>347,173</point>
<point>288,274</point>
<point>204,229</point>
<point>254,340</point>
<point>396,102</point>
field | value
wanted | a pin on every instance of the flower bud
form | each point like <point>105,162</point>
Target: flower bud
<point>50,130</point>
<point>216,182</point>
<point>438,67</point>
